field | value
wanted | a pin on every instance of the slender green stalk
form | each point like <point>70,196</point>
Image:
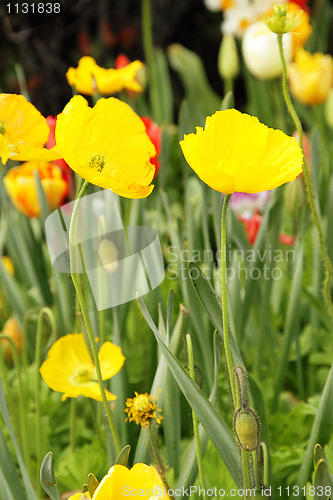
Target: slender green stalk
<point>22,401</point>
<point>72,425</point>
<point>256,470</point>
<point>265,463</point>
<point>158,459</point>
<point>194,417</point>
<point>309,187</point>
<point>87,321</point>
<point>44,311</point>
<point>26,319</point>
<point>245,466</point>
<point>224,297</point>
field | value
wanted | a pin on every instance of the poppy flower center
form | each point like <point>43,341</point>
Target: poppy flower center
<point>97,162</point>
<point>83,375</point>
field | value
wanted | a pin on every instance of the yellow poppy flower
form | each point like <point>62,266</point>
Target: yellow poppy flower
<point>89,78</point>
<point>120,482</point>
<point>23,131</point>
<point>70,369</point>
<point>107,145</point>
<point>20,185</point>
<point>235,152</point>
<point>310,77</point>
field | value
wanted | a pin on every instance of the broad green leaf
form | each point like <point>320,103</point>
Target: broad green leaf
<point>218,432</point>
<point>8,471</point>
<point>321,477</point>
<point>47,477</point>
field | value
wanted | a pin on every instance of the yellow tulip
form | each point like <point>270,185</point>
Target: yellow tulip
<point>235,152</point>
<point>23,131</point>
<point>70,369</point>
<point>20,185</point>
<point>310,77</point>
<point>107,145</point>
<point>89,78</point>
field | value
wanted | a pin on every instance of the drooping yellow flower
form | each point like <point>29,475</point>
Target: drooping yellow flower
<point>12,330</point>
<point>107,145</point>
<point>140,481</point>
<point>235,152</point>
<point>142,410</point>
<point>23,131</point>
<point>21,187</point>
<point>310,77</point>
<point>70,369</point>
<point>89,78</point>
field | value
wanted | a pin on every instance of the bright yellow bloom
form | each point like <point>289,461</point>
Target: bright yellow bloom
<point>310,77</point>
<point>142,410</point>
<point>8,264</point>
<point>107,145</point>
<point>70,369</point>
<point>236,152</point>
<point>89,78</point>
<point>12,330</point>
<point>20,185</point>
<point>120,483</point>
<point>23,131</point>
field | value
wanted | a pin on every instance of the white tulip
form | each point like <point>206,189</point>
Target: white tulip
<point>261,51</point>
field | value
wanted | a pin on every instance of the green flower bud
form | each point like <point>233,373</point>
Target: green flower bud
<point>281,21</point>
<point>228,61</point>
<point>294,197</point>
<point>247,428</point>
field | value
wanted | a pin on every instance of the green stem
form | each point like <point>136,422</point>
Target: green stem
<point>256,470</point>
<point>224,297</point>
<point>72,424</point>
<point>158,459</point>
<point>22,401</point>
<point>246,481</point>
<point>265,463</point>
<point>87,321</point>
<point>44,311</point>
<point>309,187</point>
<point>195,420</point>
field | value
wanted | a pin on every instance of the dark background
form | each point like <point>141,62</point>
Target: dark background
<point>102,29</point>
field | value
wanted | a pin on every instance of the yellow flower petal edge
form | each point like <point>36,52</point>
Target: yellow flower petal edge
<point>107,145</point>
<point>235,152</point>
<point>120,482</point>
<point>69,368</point>
<point>23,131</point>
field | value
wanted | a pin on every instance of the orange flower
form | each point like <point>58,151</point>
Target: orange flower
<point>303,31</point>
<point>20,185</point>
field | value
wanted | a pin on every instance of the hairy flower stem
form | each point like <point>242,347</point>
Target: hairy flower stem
<point>309,188</point>
<point>194,417</point>
<point>47,312</point>
<point>224,298</point>
<point>158,459</point>
<point>87,321</point>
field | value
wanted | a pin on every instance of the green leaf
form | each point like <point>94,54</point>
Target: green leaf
<point>211,304</point>
<point>218,432</point>
<point>47,477</point>
<point>44,207</point>
<point>8,471</point>
<point>30,494</point>
<point>321,477</point>
<point>321,430</point>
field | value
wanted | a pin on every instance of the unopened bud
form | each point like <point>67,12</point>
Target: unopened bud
<point>247,428</point>
<point>294,197</point>
<point>108,255</point>
<point>228,60</point>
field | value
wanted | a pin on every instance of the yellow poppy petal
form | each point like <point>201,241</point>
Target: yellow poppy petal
<point>111,359</point>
